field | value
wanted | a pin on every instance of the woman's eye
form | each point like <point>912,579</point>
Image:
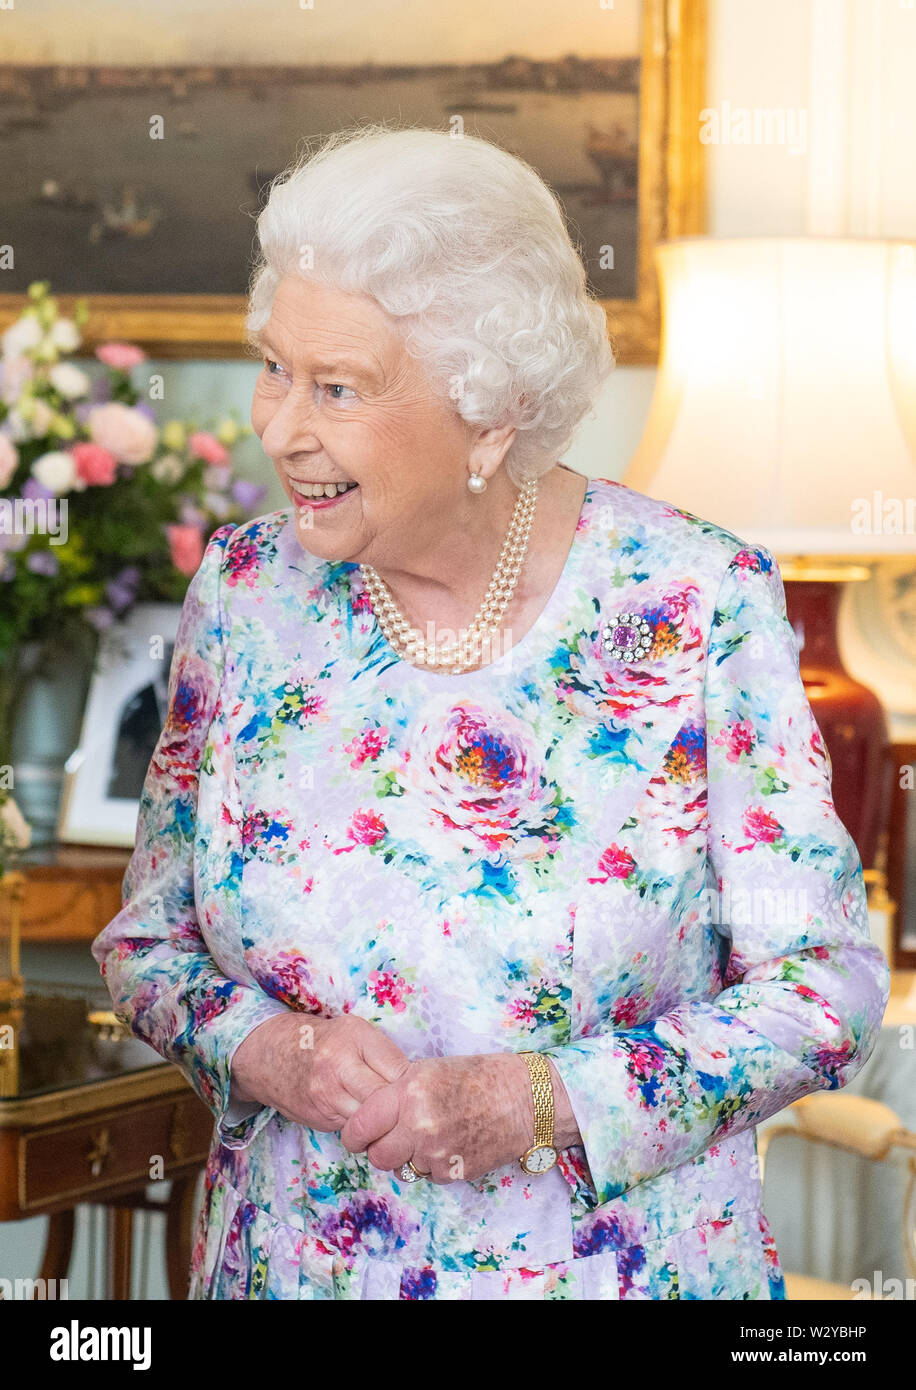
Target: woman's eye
<point>336,386</point>
<point>272,368</point>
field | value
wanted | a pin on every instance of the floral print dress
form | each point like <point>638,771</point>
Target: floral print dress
<point>633,865</point>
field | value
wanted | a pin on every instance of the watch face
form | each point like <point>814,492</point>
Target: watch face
<point>540,1159</point>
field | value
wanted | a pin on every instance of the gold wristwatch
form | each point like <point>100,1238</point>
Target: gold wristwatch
<point>542,1155</point>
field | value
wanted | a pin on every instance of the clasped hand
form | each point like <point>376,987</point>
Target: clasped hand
<point>454,1117</point>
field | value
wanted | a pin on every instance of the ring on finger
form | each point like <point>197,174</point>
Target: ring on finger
<point>408,1173</point>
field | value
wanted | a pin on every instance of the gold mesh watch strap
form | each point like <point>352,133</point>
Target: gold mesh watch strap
<point>542,1090</point>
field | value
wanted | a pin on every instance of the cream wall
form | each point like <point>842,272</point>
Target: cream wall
<point>849,66</point>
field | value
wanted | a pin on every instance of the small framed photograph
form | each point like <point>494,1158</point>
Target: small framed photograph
<point>125,713</point>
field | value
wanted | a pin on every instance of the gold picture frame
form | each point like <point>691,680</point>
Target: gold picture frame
<point>670,203</point>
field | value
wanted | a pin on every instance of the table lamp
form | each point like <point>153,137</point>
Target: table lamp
<point>785,411</point>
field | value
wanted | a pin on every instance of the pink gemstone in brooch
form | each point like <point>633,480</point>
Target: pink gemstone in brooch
<point>627,637</point>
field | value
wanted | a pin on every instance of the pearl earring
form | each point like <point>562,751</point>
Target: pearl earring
<point>477,483</point>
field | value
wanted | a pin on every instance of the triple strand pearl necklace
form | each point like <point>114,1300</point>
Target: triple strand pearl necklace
<point>465,652</point>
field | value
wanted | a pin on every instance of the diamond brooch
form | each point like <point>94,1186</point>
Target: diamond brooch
<point>627,637</point>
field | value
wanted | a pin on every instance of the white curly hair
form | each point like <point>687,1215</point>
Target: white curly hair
<point>466,244</point>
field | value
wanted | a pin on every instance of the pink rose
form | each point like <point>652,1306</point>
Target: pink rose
<point>737,739</point>
<point>628,1011</point>
<point>477,773</point>
<point>186,544</point>
<point>120,356</point>
<point>762,826</point>
<point>94,464</point>
<point>202,445</point>
<point>614,863</point>
<point>387,987</point>
<point>127,433</point>
<point>367,746</point>
<point>9,459</point>
<point>367,828</point>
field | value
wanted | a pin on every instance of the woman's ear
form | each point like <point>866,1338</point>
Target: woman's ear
<point>490,448</point>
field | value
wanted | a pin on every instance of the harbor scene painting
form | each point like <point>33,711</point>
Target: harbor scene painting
<point>134,158</point>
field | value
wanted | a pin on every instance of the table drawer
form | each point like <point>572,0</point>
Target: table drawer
<point>140,1144</point>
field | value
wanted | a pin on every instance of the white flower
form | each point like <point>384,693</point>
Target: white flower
<point>69,381</point>
<point>168,469</point>
<point>17,428</point>
<point>56,471</point>
<point>9,459</point>
<point>17,372</point>
<point>42,416</point>
<point>30,420</point>
<point>21,336</point>
<point>65,335</point>
<point>218,503</point>
<point>15,831</point>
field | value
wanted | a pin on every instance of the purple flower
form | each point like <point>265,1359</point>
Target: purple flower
<point>248,495</point>
<point>122,590</point>
<point>42,562</point>
<point>13,540</point>
<point>418,1283</point>
<point>191,515</point>
<point>32,489</point>
<point>118,595</point>
<point>144,408</point>
<point>100,618</point>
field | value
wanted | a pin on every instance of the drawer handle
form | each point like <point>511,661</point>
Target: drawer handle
<point>100,1152</point>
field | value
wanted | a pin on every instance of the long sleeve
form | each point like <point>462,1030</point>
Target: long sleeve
<point>805,988</point>
<point>162,978</point>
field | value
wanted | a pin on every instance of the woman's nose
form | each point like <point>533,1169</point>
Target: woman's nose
<point>288,430</point>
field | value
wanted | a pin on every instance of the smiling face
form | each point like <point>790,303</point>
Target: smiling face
<point>339,400</point>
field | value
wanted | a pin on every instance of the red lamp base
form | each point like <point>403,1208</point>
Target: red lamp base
<point>850,717</point>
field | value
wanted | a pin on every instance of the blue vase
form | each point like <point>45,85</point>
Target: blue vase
<point>46,729</point>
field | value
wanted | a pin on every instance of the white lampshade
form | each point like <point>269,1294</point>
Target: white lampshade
<point>785,405</point>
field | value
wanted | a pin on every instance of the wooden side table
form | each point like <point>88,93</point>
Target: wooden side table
<point>72,891</point>
<point>95,1117</point>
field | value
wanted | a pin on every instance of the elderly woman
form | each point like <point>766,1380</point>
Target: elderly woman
<point>487,885</point>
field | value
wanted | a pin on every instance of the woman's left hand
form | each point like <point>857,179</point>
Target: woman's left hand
<point>454,1117</point>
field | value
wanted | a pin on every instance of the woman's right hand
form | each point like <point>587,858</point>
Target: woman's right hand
<point>316,1071</point>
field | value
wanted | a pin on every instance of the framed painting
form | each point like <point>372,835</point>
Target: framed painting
<point>138,142</point>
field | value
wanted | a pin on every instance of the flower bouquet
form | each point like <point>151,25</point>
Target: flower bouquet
<point>101,507</point>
